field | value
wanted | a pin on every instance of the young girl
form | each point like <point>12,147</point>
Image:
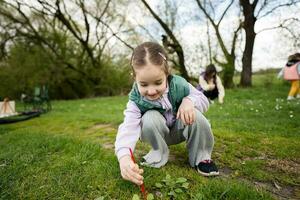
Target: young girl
<point>211,85</point>
<point>163,110</point>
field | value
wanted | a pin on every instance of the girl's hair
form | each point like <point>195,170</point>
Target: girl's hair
<point>210,69</point>
<point>294,57</point>
<point>149,52</point>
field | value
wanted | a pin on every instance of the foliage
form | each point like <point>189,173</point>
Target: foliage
<point>30,64</point>
<point>116,78</point>
<point>46,43</point>
<point>149,197</point>
<point>173,186</point>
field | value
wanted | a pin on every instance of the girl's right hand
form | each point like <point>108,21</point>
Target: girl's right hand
<point>221,101</point>
<point>131,171</point>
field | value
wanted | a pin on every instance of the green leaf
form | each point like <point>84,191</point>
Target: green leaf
<point>100,198</point>
<point>158,185</point>
<point>185,185</point>
<point>199,196</point>
<point>236,173</point>
<point>181,180</point>
<point>172,193</point>
<point>135,197</point>
<point>168,177</point>
<point>178,190</point>
<point>150,196</point>
<point>168,183</point>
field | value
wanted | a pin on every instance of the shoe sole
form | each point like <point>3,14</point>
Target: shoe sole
<point>208,174</point>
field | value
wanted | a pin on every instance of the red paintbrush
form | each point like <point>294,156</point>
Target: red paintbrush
<point>142,187</point>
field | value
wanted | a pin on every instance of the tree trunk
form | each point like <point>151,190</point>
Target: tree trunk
<point>249,22</point>
<point>228,73</point>
<point>246,76</point>
<point>182,68</point>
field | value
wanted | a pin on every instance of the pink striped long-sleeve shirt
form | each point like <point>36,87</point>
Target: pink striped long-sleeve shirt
<point>129,131</point>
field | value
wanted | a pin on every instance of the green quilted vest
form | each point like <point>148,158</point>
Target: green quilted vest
<point>178,89</point>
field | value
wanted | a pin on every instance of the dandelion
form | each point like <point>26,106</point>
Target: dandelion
<point>256,110</point>
<point>291,116</point>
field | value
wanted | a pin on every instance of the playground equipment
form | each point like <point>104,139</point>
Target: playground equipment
<point>40,100</point>
<point>34,106</point>
<point>8,113</point>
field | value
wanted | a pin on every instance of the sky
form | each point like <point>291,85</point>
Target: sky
<point>271,47</point>
<point>270,50</point>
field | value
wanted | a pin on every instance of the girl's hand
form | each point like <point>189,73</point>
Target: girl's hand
<point>131,171</point>
<point>186,112</point>
<point>221,101</point>
<point>211,86</point>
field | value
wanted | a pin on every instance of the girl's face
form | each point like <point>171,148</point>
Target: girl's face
<point>210,76</point>
<point>151,81</point>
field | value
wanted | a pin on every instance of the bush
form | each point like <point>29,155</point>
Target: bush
<point>29,65</point>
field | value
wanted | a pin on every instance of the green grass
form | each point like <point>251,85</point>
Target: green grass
<point>68,152</point>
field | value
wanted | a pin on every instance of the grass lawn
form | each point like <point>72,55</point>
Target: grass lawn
<point>68,152</point>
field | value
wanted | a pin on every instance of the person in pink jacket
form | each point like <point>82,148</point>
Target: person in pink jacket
<point>291,73</point>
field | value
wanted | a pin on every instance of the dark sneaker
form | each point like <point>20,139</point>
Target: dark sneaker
<point>207,168</point>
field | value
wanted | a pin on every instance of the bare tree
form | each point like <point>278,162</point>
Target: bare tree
<point>229,53</point>
<point>32,21</point>
<point>292,30</point>
<point>171,42</point>
<point>253,12</point>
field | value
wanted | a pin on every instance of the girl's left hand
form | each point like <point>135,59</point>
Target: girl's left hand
<point>186,112</point>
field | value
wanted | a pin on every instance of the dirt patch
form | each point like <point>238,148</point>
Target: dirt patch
<point>173,158</point>
<point>278,191</point>
<point>108,145</point>
<point>225,171</point>
<point>103,127</point>
<point>287,166</point>
<point>103,134</point>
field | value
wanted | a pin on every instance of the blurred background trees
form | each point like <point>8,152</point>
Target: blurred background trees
<point>81,48</point>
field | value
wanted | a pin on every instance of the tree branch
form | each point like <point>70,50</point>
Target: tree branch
<point>281,25</point>
<point>225,11</point>
<point>293,2</point>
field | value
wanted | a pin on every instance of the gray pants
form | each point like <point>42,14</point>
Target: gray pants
<point>198,137</point>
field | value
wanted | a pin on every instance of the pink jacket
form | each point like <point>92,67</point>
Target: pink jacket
<point>291,72</point>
